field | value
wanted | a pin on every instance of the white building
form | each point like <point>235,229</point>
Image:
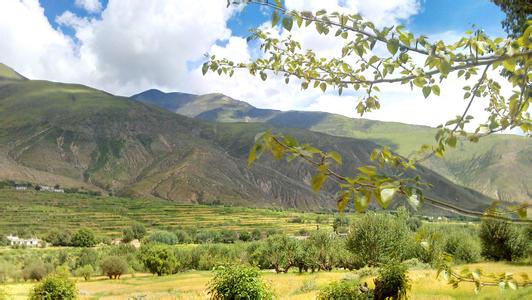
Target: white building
<point>16,241</point>
<point>21,187</point>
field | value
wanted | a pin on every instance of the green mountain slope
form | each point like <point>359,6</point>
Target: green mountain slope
<point>8,73</point>
<point>76,136</point>
<point>496,166</point>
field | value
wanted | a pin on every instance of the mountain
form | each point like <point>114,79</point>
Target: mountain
<point>498,166</point>
<point>76,136</point>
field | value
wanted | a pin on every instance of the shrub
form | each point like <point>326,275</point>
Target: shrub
<point>429,244</point>
<point>234,282</point>
<point>502,241</point>
<point>256,234</point>
<point>114,266</point>
<point>244,236</point>
<point>138,230</point>
<point>182,237</point>
<point>163,237</point>
<point>127,235</point>
<point>413,223</point>
<point>345,289</point>
<point>463,247</point>
<point>59,238</point>
<point>207,236</point>
<point>377,237</point>
<point>340,223</point>
<point>84,237</point>
<point>36,270</point>
<point>391,282</point>
<point>86,272</point>
<point>54,288</point>
<point>3,241</point>
<point>87,256</point>
<point>228,236</point>
<point>158,259</point>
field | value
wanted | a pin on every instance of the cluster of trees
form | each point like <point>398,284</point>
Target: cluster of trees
<point>83,237</point>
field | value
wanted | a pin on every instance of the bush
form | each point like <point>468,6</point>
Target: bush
<point>36,270</point>
<point>127,235</point>
<point>59,238</point>
<point>87,256</point>
<point>84,237</point>
<point>463,247</point>
<point>244,236</point>
<point>114,267</point>
<point>502,241</point>
<point>391,282</point>
<point>429,242</point>
<point>138,230</point>
<point>345,289</point>
<point>413,223</point>
<point>86,272</point>
<point>256,234</point>
<point>158,259</point>
<point>163,237</point>
<point>208,236</point>
<point>183,237</point>
<point>54,288</point>
<point>234,282</point>
<point>228,236</point>
<point>378,237</point>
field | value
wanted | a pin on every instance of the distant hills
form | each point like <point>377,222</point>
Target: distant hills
<point>498,166</point>
<point>75,136</point>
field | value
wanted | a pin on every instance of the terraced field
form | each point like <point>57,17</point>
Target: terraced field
<point>39,212</point>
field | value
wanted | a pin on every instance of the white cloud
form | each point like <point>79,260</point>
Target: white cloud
<point>136,45</point>
<point>92,6</point>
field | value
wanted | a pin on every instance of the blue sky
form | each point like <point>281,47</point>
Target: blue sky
<point>435,16</point>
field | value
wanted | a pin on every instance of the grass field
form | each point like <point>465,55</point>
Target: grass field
<point>39,212</point>
<point>192,285</point>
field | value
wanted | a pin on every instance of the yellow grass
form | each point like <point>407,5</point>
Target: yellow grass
<point>192,285</point>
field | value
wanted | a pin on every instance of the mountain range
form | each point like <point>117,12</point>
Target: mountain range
<point>498,166</point>
<point>80,137</point>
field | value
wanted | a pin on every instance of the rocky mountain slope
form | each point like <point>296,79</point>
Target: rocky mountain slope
<point>498,166</point>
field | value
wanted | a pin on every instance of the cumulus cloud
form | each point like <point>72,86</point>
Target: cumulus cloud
<point>136,45</point>
<point>91,6</point>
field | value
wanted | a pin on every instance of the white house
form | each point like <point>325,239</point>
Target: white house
<point>21,187</point>
<point>16,241</point>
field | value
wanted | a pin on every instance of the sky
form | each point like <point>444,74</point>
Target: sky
<point>127,46</point>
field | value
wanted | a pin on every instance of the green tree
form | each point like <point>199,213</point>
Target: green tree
<point>501,240</point>
<point>139,231</point>
<point>85,271</point>
<point>84,237</point>
<point>59,237</point>
<point>518,12</point>
<point>114,266</point>
<point>36,270</point>
<point>54,287</point>
<point>280,251</point>
<point>392,282</point>
<point>158,259</point>
<point>378,237</point>
<point>322,248</point>
<point>235,282</point>
<point>163,237</point>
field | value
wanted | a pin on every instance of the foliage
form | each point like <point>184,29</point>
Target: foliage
<point>163,237</point>
<point>322,249</point>
<point>85,271</point>
<point>58,237</point>
<point>378,237</point>
<point>344,290</point>
<point>501,240</point>
<point>138,230</point>
<point>392,282</point>
<point>429,244</point>
<point>462,246</point>
<point>114,266</point>
<point>54,287</point>
<point>36,270</point>
<point>414,223</point>
<point>158,259</point>
<point>87,256</point>
<point>234,282</point>
<point>280,252</point>
<point>84,237</point>
<point>517,13</point>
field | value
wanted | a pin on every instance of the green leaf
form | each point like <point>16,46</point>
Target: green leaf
<point>451,141</point>
<point>386,196</point>
<point>362,201</point>
<point>263,76</point>
<point>288,22</point>
<point>335,156</point>
<point>368,170</point>
<point>255,152</point>
<point>205,68</point>
<point>509,65</point>
<point>343,200</point>
<point>318,180</point>
<point>436,90</point>
<point>275,18</point>
<point>323,86</point>
<point>522,213</point>
<point>393,46</point>
<point>426,91</point>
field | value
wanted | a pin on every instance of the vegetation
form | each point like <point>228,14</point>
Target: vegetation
<point>114,266</point>
<point>159,259</point>
<point>232,282</point>
<point>54,287</point>
<point>392,282</point>
<point>85,271</point>
<point>345,289</point>
<point>84,237</point>
<point>502,240</point>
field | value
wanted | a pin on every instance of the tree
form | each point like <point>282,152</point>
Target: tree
<point>36,270</point>
<point>127,235</point>
<point>322,248</point>
<point>54,287</point>
<point>280,251</point>
<point>502,241</point>
<point>59,237</point>
<point>235,282</point>
<point>392,282</point>
<point>517,12</point>
<point>114,266</point>
<point>158,259</point>
<point>359,69</point>
<point>85,271</point>
<point>87,256</point>
<point>163,237</point>
<point>84,237</point>
<point>139,231</point>
<point>376,238</point>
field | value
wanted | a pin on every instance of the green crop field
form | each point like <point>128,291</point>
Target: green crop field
<point>192,285</point>
<point>38,212</point>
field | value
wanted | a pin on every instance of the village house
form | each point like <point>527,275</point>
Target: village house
<point>16,241</point>
<point>21,187</point>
